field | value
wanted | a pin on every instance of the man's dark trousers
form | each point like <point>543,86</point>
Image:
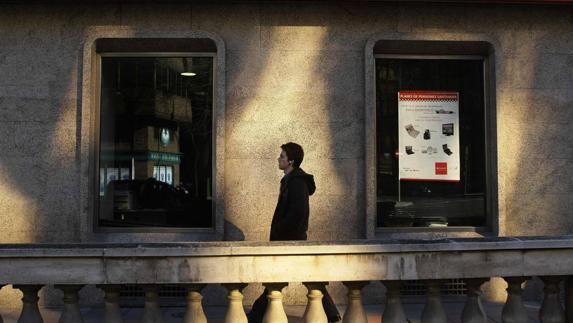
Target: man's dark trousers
<point>260,306</point>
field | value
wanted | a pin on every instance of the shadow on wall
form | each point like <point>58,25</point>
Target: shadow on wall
<point>534,113</point>
<point>303,85</point>
<point>40,120</point>
<point>40,123</point>
<point>233,233</point>
<point>286,91</point>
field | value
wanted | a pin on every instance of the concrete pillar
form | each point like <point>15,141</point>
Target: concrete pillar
<point>393,310</point>
<point>275,312</point>
<point>473,310</point>
<point>71,312</point>
<point>151,311</point>
<point>434,310</point>
<point>569,298</point>
<point>551,310</point>
<point>194,312</point>
<point>355,311</point>
<point>30,311</point>
<point>513,310</point>
<point>235,311</point>
<point>112,311</point>
<point>314,312</point>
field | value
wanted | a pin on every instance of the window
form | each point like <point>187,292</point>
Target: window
<point>155,140</point>
<point>432,144</point>
<point>163,174</point>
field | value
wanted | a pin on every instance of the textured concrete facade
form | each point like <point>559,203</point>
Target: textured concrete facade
<point>293,72</point>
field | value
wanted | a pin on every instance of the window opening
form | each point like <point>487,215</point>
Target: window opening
<point>156,141</point>
<point>430,142</point>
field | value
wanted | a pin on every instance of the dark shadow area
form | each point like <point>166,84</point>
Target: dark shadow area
<point>232,232</point>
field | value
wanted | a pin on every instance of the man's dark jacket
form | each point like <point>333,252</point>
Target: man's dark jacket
<point>290,221</point>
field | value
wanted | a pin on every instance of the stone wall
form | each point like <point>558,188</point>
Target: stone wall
<point>294,72</point>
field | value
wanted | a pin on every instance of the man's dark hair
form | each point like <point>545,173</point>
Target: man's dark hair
<point>294,152</point>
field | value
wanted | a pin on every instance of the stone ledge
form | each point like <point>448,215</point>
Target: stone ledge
<point>250,262</point>
<point>244,248</point>
<point>286,268</point>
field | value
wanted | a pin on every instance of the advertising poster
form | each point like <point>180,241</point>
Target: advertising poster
<point>428,136</point>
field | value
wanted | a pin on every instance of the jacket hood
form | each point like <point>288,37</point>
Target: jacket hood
<point>308,179</point>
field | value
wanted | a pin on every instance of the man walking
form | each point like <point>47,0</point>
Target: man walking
<point>290,220</point>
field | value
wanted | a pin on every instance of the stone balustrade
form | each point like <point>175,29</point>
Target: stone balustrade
<point>234,265</point>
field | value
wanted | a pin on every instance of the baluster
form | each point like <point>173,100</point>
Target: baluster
<point>473,310</point>
<point>355,311</point>
<point>434,310</point>
<point>569,298</point>
<point>112,311</point>
<point>194,312</point>
<point>513,310</point>
<point>30,312</point>
<point>314,312</point>
<point>1,320</point>
<point>275,312</point>
<point>235,311</point>
<point>71,312</point>
<point>393,311</point>
<point>151,311</point>
<point>551,310</point>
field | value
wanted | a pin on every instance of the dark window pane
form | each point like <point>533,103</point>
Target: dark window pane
<point>422,203</point>
<point>155,166</point>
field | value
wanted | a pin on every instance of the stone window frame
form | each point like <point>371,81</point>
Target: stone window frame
<point>89,149</point>
<point>432,45</point>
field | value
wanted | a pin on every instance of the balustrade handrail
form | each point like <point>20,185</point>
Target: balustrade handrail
<point>249,262</point>
<point>225,248</point>
<point>69,267</point>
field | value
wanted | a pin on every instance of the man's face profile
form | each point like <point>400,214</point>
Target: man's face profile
<point>283,161</point>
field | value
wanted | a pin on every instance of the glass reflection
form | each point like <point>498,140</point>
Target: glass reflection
<point>155,165</point>
<point>423,203</point>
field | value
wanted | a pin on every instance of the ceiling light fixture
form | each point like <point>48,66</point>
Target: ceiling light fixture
<point>188,67</point>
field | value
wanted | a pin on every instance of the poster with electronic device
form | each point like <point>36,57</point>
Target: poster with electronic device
<point>428,136</point>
